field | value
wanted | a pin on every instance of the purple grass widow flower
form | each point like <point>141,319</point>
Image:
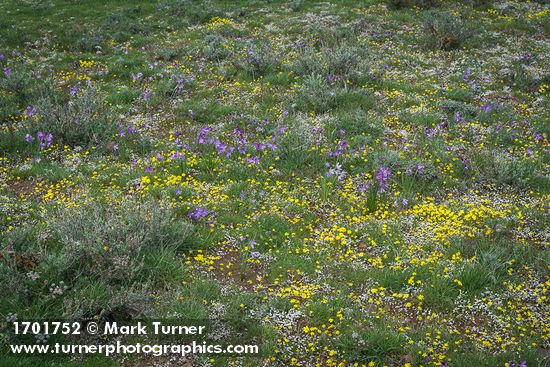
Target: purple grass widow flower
<point>382,176</point>
<point>253,160</point>
<point>31,111</point>
<point>45,140</point>
<point>197,213</point>
<point>281,130</point>
<point>336,171</point>
<point>487,108</point>
<point>146,95</point>
<point>7,71</point>
<point>29,138</point>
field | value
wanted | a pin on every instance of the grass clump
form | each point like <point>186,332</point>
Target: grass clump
<point>445,31</point>
<point>405,4</point>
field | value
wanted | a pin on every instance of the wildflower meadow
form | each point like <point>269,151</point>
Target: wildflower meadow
<point>341,183</point>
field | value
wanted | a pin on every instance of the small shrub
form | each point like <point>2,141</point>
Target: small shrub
<point>342,62</point>
<point>215,48</point>
<point>91,42</point>
<point>120,26</point>
<point>523,73</point>
<point>258,60</point>
<point>444,31</point>
<point>503,169</point>
<point>80,120</point>
<point>402,4</point>
<point>315,94</point>
<point>20,89</point>
<point>296,5</point>
<point>295,147</point>
<point>195,12</point>
<point>104,258</point>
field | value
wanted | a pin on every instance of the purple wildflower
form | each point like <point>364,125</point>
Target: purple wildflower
<point>7,71</point>
<point>146,94</point>
<point>45,140</point>
<point>281,130</point>
<point>31,110</point>
<point>382,176</point>
<point>336,171</point>
<point>136,76</point>
<point>198,212</point>
<point>253,160</point>
<point>487,108</point>
<point>29,138</point>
